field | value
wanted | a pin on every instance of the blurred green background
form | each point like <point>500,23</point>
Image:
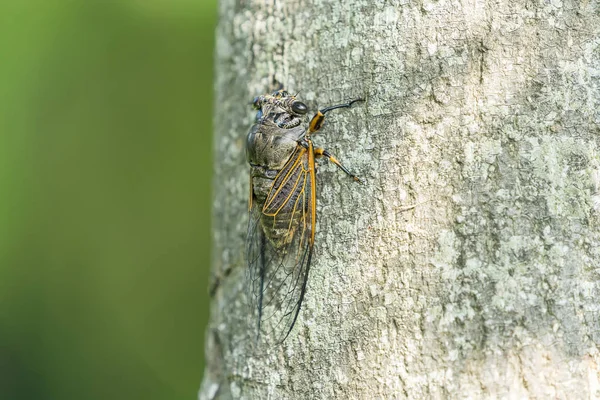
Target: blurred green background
<point>105,169</point>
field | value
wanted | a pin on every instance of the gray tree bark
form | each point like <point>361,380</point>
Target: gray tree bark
<point>468,264</point>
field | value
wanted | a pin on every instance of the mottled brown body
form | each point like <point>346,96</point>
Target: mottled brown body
<point>269,149</point>
<point>281,229</point>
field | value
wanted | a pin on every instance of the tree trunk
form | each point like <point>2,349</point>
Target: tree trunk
<point>468,264</point>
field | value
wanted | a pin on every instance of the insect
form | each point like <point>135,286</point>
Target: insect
<point>282,207</point>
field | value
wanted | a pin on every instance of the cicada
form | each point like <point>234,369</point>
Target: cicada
<point>282,207</point>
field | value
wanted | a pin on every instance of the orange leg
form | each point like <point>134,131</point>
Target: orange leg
<point>319,152</point>
<point>317,121</point>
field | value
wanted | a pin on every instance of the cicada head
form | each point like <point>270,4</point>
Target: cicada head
<point>281,107</point>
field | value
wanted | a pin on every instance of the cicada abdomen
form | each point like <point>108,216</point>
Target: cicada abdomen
<point>282,205</point>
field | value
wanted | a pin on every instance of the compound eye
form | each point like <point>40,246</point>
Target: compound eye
<point>299,107</point>
<point>256,103</point>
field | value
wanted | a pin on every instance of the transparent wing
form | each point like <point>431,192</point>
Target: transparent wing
<point>279,249</point>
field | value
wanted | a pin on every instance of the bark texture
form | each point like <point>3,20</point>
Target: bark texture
<point>468,265</point>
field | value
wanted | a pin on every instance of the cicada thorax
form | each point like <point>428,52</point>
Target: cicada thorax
<point>269,146</point>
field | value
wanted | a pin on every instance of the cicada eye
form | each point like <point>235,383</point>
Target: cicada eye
<point>299,107</point>
<point>256,103</point>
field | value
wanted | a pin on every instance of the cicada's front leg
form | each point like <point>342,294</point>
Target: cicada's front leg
<point>319,152</point>
<point>317,121</point>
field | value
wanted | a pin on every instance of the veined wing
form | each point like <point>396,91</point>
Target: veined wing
<point>280,246</point>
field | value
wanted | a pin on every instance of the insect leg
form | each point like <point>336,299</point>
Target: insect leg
<point>317,121</point>
<point>319,152</point>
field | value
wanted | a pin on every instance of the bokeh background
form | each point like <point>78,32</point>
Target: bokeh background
<point>105,169</point>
